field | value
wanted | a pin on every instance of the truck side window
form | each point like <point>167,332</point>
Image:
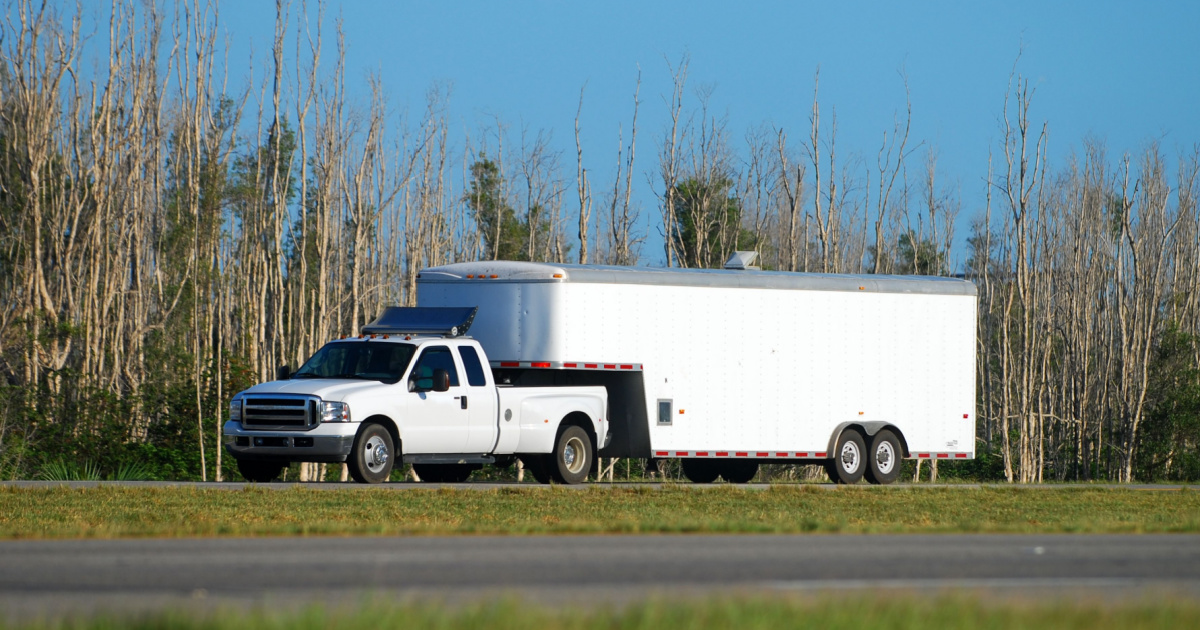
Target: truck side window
<point>471,364</point>
<point>436,358</point>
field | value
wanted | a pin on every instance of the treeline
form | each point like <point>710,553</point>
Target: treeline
<point>167,239</point>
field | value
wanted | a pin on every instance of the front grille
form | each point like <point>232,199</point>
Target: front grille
<point>279,412</point>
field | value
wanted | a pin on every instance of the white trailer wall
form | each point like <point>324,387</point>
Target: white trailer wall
<point>751,361</point>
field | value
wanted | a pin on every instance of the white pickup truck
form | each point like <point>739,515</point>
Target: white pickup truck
<point>412,389</point>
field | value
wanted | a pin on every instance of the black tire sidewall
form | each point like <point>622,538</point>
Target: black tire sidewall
<point>841,475</point>
<point>558,465</point>
<point>358,466</point>
<point>873,474</point>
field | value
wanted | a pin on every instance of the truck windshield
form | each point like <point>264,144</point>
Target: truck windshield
<point>361,360</point>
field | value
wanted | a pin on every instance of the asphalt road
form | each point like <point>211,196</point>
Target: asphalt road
<point>57,577</point>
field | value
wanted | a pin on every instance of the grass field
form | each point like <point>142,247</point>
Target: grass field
<point>123,512</point>
<point>877,613</point>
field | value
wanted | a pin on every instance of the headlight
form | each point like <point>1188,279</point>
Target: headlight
<point>335,411</point>
<point>235,409</point>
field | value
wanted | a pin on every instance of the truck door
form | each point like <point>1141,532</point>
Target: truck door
<point>480,402</point>
<point>436,422</point>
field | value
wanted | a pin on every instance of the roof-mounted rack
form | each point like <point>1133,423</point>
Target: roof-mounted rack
<point>401,320</point>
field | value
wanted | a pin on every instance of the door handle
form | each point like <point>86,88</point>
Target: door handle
<point>463,399</point>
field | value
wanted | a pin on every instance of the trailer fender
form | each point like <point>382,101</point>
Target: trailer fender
<point>868,429</point>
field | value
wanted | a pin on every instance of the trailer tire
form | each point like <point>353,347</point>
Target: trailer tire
<point>572,458</point>
<point>259,471</point>
<point>699,470</point>
<point>849,461</point>
<point>373,456</point>
<point>739,470</point>
<point>884,456</point>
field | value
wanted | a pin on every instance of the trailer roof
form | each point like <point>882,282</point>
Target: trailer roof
<point>529,272</point>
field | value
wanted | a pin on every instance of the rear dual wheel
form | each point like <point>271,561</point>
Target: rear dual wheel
<point>570,461</point>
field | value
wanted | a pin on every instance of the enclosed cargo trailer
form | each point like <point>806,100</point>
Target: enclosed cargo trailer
<point>853,371</point>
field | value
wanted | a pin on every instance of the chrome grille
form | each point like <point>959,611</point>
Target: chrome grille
<point>279,412</point>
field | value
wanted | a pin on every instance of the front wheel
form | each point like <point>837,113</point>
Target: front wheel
<point>259,471</point>
<point>849,459</point>
<point>373,455</point>
<point>885,454</point>
<point>572,457</point>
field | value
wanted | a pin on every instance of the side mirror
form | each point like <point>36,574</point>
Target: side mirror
<point>283,373</point>
<point>441,380</point>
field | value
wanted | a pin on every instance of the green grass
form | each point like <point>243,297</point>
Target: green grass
<point>828,613</point>
<point>122,512</point>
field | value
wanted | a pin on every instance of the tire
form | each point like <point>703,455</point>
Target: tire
<point>259,471</point>
<point>699,470</point>
<point>739,470</point>
<point>849,461</point>
<point>572,458</point>
<point>373,456</point>
<point>443,473</point>
<point>884,457</point>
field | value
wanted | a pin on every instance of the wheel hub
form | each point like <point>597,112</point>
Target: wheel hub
<point>850,457</point>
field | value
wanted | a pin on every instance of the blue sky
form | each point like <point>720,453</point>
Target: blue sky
<point>1124,72</point>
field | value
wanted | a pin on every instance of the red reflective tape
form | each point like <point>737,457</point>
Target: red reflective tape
<point>722,453</point>
<point>681,453</point>
<point>943,456</point>
<point>662,453</point>
<point>540,364</point>
<point>741,454</point>
<point>570,365</point>
<point>818,454</point>
<point>923,455</point>
<point>762,454</point>
<point>701,453</point>
<point>509,364</point>
<point>626,367</point>
<point>801,454</point>
<point>590,365</point>
<point>781,454</point>
<point>961,455</point>
<point>966,415</point>
<point>610,366</point>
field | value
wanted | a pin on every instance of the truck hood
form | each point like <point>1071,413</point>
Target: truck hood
<point>326,388</point>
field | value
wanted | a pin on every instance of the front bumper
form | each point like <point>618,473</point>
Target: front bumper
<point>330,443</point>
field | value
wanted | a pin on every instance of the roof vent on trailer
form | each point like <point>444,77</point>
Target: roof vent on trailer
<point>446,321</point>
<point>743,261</point>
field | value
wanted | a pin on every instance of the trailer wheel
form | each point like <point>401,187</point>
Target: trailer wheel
<point>699,470</point>
<point>373,455</point>
<point>572,458</point>
<point>849,459</point>
<point>739,470</point>
<point>885,455</point>
<point>259,471</point>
